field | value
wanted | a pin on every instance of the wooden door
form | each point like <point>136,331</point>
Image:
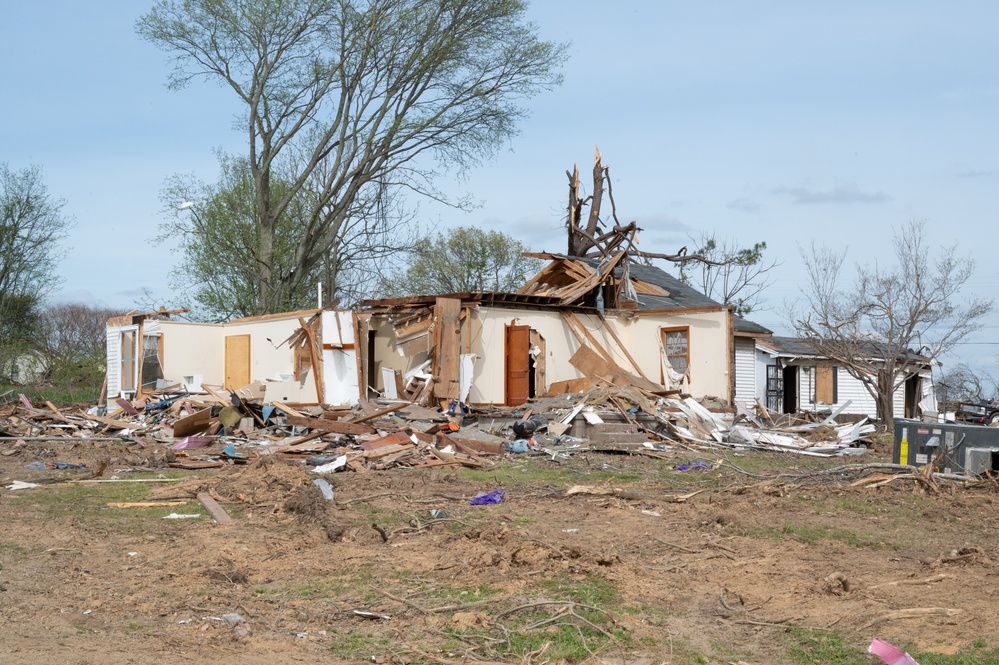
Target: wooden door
<point>518,365</point>
<point>237,361</point>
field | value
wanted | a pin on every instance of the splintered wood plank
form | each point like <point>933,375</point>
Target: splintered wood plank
<point>287,410</point>
<point>448,313</point>
<point>110,422</point>
<point>212,506</point>
<point>624,348</point>
<point>325,425</point>
<point>390,440</point>
<point>590,364</point>
<point>583,335</point>
<point>384,451</point>
<point>591,282</point>
<point>379,414</point>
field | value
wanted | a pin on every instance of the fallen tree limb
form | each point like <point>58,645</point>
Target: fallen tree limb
<point>913,613</point>
<point>928,580</point>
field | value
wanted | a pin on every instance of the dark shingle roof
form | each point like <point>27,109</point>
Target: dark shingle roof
<point>680,294</point>
<point>802,346</point>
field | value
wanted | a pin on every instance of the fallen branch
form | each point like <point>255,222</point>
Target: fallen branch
<point>928,580</point>
<point>675,546</point>
<point>913,613</point>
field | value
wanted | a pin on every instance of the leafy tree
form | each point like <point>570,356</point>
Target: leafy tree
<point>731,275</point>
<point>214,226</point>
<point>31,226</point>
<point>354,99</point>
<point>462,260</point>
<point>895,311</point>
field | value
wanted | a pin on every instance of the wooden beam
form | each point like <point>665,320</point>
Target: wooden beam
<point>316,358</point>
<point>621,344</point>
<point>447,313</point>
<point>583,335</point>
<point>212,506</point>
<point>335,426</point>
<point>379,414</point>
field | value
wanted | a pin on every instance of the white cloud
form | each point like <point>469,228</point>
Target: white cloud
<point>840,194</point>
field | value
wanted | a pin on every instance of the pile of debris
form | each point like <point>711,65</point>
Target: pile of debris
<point>217,429</point>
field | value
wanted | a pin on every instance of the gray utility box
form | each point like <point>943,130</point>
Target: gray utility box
<point>966,449</point>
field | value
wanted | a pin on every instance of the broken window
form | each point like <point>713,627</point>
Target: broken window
<point>129,356</point>
<point>151,363</point>
<point>826,387</point>
<point>677,347</point>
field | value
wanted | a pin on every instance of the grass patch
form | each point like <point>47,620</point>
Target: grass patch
<point>330,587</point>
<point>592,590</point>
<point>561,642</point>
<point>12,551</point>
<point>355,645</point>
<point>767,462</point>
<point>978,654</point>
<point>461,594</point>
<point>819,647</point>
<point>89,502</point>
<point>533,473</point>
<point>811,534</point>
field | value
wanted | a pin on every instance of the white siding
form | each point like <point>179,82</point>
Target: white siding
<point>853,390</point>
<point>745,370</point>
<point>114,362</point>
<point>848,389</point>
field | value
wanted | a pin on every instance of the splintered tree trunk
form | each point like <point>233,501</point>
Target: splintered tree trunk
<point>575,211</point>
<point>582,240</point>
<point>598,193</point>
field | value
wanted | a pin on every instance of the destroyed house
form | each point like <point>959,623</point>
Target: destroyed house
<point>579,320</point>
<point>793,377</point>
<point>305,356</point>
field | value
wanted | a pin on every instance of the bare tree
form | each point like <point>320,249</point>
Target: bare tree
<point>961,383</point>
<point>362,95</point>
<point>731,275</point>
<point>875,326</point>
<point>72,335</point>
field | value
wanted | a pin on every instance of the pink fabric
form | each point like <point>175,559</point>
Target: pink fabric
<point>890,654</point>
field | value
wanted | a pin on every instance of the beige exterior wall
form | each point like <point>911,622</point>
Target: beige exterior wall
<point>708,342</point>
<point>267,362</point>
<point>190,349</point>
<point>199,348</point>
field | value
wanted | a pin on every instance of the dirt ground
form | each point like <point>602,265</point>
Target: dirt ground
<point>697,566</point>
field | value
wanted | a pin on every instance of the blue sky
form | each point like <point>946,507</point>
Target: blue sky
<point>779,121</point>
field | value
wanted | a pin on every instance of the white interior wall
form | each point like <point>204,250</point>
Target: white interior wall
<point>339,365</point>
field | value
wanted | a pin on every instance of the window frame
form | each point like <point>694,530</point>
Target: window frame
<point>664,339</point>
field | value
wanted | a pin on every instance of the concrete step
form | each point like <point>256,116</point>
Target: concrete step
<point>618,437</point>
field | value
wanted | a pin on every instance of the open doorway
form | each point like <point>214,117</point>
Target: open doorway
<point>913,394</point>
<point>790,380</point>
